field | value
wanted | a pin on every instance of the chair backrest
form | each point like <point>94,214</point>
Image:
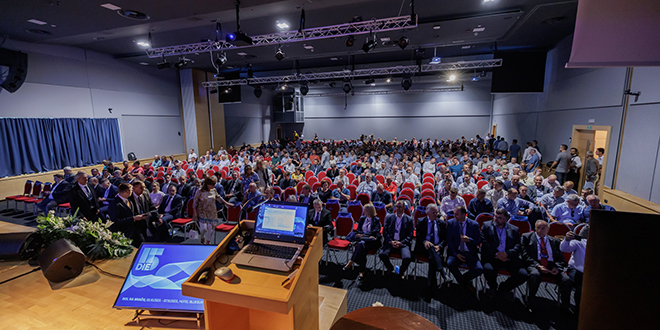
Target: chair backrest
<point>351,177</point>
<point>299,186</point>
<point>252,215</point>
<point>160,180</point>
<point>226,169</point>
<point>343,224</point>
<point>278,190</point>
<point>199,173</point>
<point>481,184</point>
<point>579,228</point>
<point>150,179</point>
<point>420,212</point>
<point>175,180</point>
<point>321,175</point>
<point>425,201</point>
<point>467,198</point>
<point>189,208</point>
<point>312,180</point>
<point>363,198</point>
<point>408,185</point>
<point>427,175</point>
<point>223,174</point>
<point>427,186</point>
<point>355,182</point>
<point>558,229</point>
<point>429,180</point>
<point>406,198</point>
<point>234,214</point>
<point>332,187</point>
<point>210,172</point>
<point>483,217</point>
<point>352,188</point>
<point>428,193</point>
<point>408,192</point>
<point>27,188</point>
<point>523,226</point>
<point>316,186</point>
<point>380,178</point>
<point>381,212</point>
<point>355,209</point>
<point>47,187</point>
<point>36,188</point>
<point>288,192</point>
<point>333,206</point>
<point>308,175</point>
<point>216,168</point>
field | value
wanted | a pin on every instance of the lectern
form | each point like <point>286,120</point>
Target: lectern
<point>259,299</point>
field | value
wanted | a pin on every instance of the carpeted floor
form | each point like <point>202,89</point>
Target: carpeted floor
<point>450,308</point>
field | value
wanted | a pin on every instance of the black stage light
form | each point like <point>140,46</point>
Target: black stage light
<point>164,65</point>
<point>221,60</point>
<point>257,91</point>
<point>406,83</point>
<point>332,84</point>
<point>350,41</point>
<point>279,55</point>
<point>347,87</point>
<point>369,45</point>
<point>369,81</point>
<point>304,88</point>
<point>403,42</point>
<point>180,64</point>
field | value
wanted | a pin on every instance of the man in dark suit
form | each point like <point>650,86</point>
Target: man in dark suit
<point>83,198</point>
<point>500,249</point>
<point>320,217</point>
<point>316,167</point>
<point>117,179</point>
<point>98,189</point>
<point>234,188</point>
<point>123,215</point>
<point>143,204</point>
<point>383,196</point>
<point>106,196</point>
<point>167,183</point>
<point>68,175</point>
<point>430,242</point>
<point>170,207</point>
<point>307,197</point>
<point>463,239</point>
<point>397,238</point>
<point>542,257</point>
<point>58,194</point>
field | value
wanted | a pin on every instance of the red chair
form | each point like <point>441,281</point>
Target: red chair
<point>351,177</point>
<point>355,209</point>
<point>311,181</point>
<point>333,206</point>
<point>343,227</point>
<point>160,180</point>
<point>427,186</point>
<point>299,186</point>
<point>150,179</point>
<point>381,213</point>
<point>429,180</point>
<point>355,182</point>
<point>223,174</point>
<point>233,217</point>
<point>216,168</point>
<point>61,207</point>
<point>185,222</point>
<point>200,173</point>
<point>408,192</point>
<point>38,198</point>
<point>363,198</point>
<point>579,228</point>
<point>483,217</point>
<point>210,173</point>
<point>408,185</point>
<point>27,188</point>
<point>36,192</point>
<point>332,187</point>
<point>226,169</point>
<point>288,192</point>
<point>380,179</point>
<point>253,215</point>
<point>428,193</point>
<point>427,175</point>
<point>321,175</point>
<point>353,189</point>
<point>316,186</point>
<point>406,198</point>
<point>467,198</point>
<point>481,184</point>
<point>523,226</point>
<point>278,190</point>
<point>558,229</point>
<point>308,175</point>
<point>420,213</point>
<point>161,175</point>
<point>175,180</point>
<point>425,201</point>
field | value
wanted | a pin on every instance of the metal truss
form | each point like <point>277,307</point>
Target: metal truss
<point>325,32</point>
<point>347,74</point>
<point>397,91</point>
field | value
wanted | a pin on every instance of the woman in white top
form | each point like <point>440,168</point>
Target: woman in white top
<point>156,195</point>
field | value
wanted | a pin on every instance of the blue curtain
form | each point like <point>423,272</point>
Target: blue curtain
<point>30,145</point>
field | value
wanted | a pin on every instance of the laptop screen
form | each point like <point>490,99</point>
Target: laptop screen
<point>282,221</point>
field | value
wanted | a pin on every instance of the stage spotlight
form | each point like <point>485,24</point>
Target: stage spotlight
<point>475,78</point>
<point>284,87</point>
<point>250,72</point>
<point>451,77</point>
<point>332,84</point>
<point>221,60</point>
<point>214,91</point>
<point>403,42</point>
<point>406,83</point>
<point>279,55</point>
<point>230,37</point>
<point>227,90</point>
<point>180,64</point>
<point>369,81</point>
<point>257,91</point>
<point>350,41</point>
<point>347,87</point>
<point>369,45</point>
<point>164,65</point>
<point>436,60</point>
<point>388,80</point>
<point>304,88</point>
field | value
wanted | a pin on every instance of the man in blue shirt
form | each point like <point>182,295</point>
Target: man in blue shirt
<point>594,204</point>
<point>514,149</point>
<point>570,212</point>
<point>514,205</point>
<point>479,204</point>
<point>533,162</point>
<point>341,193</point>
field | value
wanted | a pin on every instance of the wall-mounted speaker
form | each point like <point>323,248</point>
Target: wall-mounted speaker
<point>61,260</point>
<point>17,63</point>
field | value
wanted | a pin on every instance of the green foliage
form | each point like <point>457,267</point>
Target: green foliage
<point>92,237</point>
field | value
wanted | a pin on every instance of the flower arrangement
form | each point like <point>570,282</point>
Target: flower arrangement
<point>93,238</point>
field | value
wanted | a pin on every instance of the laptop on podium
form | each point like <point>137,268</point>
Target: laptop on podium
<point>279,236</point>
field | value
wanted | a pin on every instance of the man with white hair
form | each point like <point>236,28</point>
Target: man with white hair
<point>593,203</point>
<point>570,212</point>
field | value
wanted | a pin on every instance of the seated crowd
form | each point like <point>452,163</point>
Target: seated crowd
<point>449,184</point>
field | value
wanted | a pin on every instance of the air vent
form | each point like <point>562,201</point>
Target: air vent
<point>133,14</point>
<point>38,31</point>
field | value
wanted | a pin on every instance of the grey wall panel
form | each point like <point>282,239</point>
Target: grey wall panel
<point>556,127</point>
<point>188,109</point>
<point>120,76</point>
<point>39,100</point>
<point>250,120</point>
<point>515,103</point>
<point>645,79</point>
<point>56,70</point>
<point>146,136</point>
<point>134,104</point>
<point>243,129</point>
<point>521,127</point>
<point>639,151</point>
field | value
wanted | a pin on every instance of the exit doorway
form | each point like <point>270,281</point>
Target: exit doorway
<point>589,138</point>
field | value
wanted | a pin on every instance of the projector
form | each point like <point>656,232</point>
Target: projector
<point>239,38</point>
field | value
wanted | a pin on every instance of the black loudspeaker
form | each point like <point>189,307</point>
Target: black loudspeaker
<point>19,246</point>
<point>17,63</point>
<point>61,260</point>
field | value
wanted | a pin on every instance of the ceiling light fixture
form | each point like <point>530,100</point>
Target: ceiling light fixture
<point>369,45</point>
<point>406,83</point>
<point>257,91</point>
<point>369,81</point>
<point>36,21</point>
<point>110,6</point>
<point>350,41</point>
<point>143,44</point>
<point>347,87</point>
<point>221,60</point>
<point>403,42</point>
<point>282,25</point>
<point>435,60</point>
<point>284,87</point>
<point>304,88</point>
<point>388,80</point>
<point>279,54</point>
<point>452,77</point>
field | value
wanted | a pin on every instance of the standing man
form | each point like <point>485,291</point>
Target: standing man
<point>122,214</point>
<point>325,158</point>
<point>591,171</point>
<point>562,163</point>
<point>542,256</point>
<point>83,198</point>
<point>463,239</point>
<point>574,168</point>
<point>397,237</point>
<point>514,149</point>
<point>500,249</point>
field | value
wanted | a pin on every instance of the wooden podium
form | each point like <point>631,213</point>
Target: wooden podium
<point>257,298</point>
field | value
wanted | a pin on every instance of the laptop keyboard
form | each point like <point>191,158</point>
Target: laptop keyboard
<point>275,251</point>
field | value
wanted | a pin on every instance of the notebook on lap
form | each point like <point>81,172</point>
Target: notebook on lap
<point>279,236</point>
